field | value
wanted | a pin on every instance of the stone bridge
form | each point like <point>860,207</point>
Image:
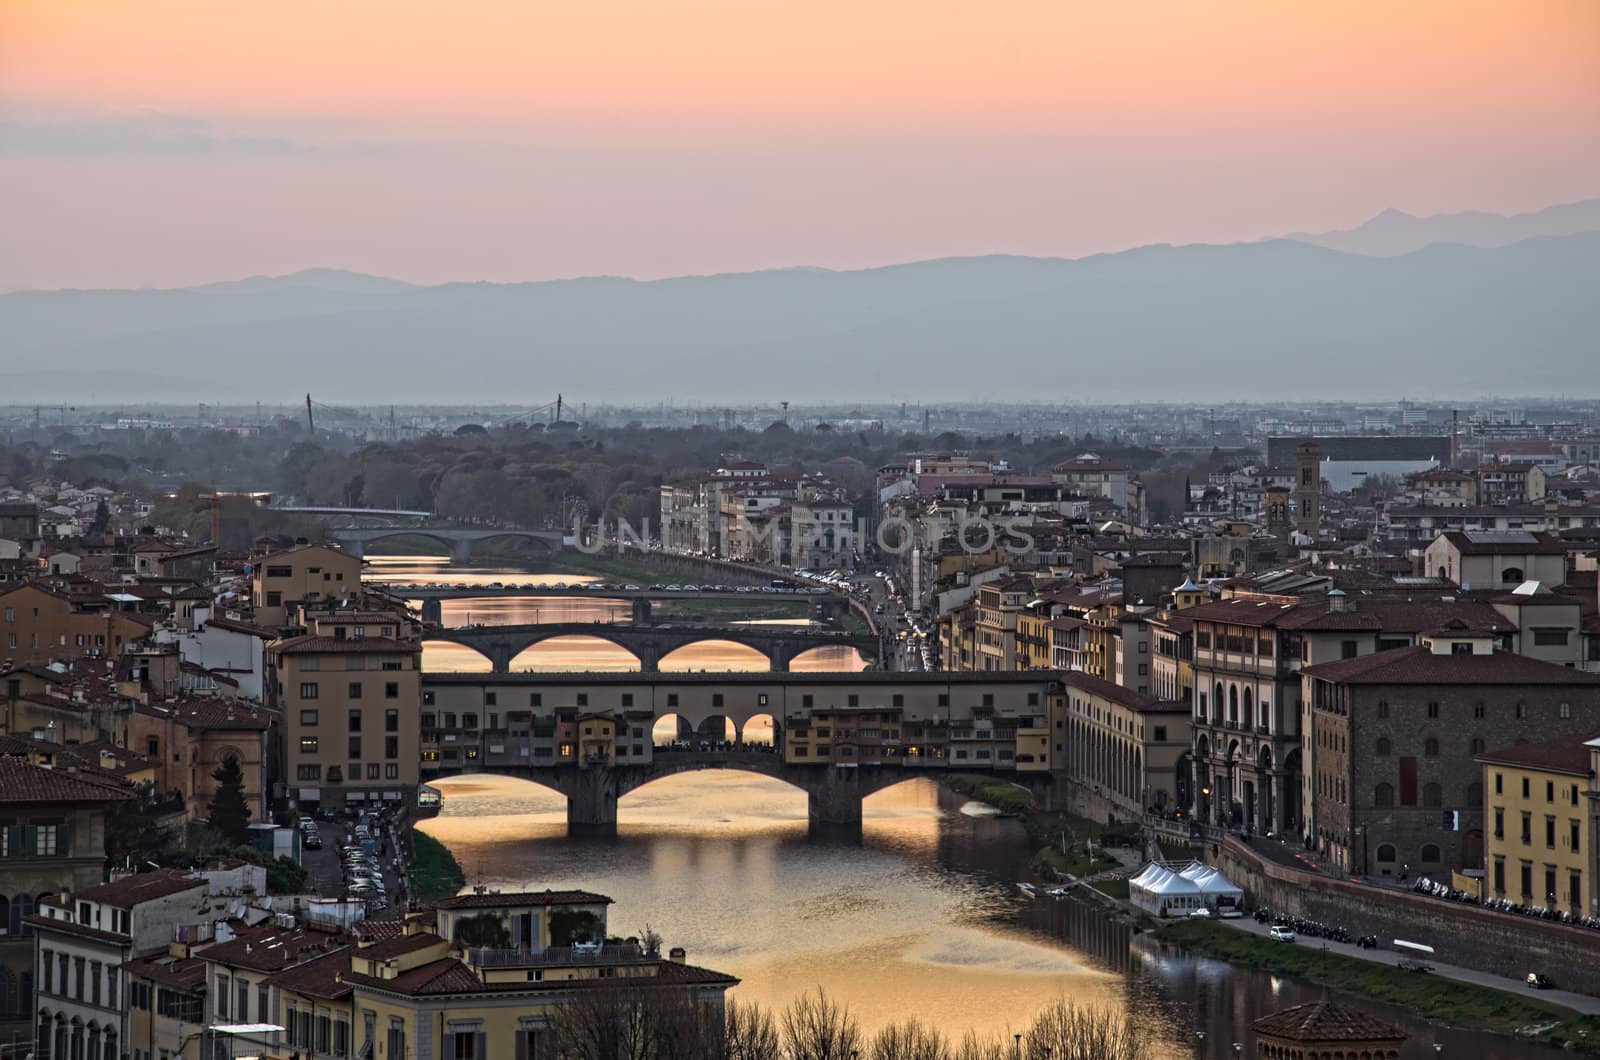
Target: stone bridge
<point>649,644</point>
<point>831,605</point>
<point>833,792</point>
<point>460,542</point>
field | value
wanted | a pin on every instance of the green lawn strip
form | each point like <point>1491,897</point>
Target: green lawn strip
<point>435,872</point>
<point>1115,888</point>
<point>1428,995</point>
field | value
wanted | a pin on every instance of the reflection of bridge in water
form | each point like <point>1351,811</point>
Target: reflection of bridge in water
<point>649,644</point>
<point>836,736</point>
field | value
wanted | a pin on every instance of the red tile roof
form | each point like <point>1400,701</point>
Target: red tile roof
<point>1421,666</point>
<point>1566,755</point>
<point>1323,1021</point>
<point>311,643</point>
<point>519,899</point>
<point>22,781</point>
<point>322,976</point>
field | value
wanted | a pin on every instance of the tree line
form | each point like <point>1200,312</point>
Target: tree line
<point>621,1023</point>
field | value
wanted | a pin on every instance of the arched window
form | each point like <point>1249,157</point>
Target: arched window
<point>1430,747</point>
<point>1249,711</point>
<point>1478,745</point>
<point>1383,708</point>
<point>1430,854</point>
<point>1383,795</point>
<point>1384,746</point>
<point>1386,852</point>
<point>1233,704</point>
<point>1216,706</point>
<point>1511,576</point>
<point>1432,795</point>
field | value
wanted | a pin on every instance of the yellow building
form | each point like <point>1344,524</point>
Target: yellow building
<point>417,991</point>
<point>1542,810</point>
<point>279,580</point>
<point>597,740</point>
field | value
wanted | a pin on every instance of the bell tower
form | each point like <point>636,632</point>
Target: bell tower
<point>1308,489</point>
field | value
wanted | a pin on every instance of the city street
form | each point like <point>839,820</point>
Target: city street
<point>1385,954</point>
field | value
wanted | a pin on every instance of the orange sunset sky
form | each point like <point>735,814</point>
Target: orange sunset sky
<point>169,142</point>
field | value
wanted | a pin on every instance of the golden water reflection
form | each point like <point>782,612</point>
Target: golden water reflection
<point>719,862</point>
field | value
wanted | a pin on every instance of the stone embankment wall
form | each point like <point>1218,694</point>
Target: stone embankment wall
<point>1461,934</point>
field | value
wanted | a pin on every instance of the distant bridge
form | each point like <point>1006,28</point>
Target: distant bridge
<point>832,604</point>
<point>459,542</point>
<point>649,644</point>
<point>385,513</point>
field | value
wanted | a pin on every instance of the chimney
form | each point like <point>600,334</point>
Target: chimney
<point>677,955</point>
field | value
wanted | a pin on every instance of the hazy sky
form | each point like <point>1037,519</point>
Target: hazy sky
<point>169,142</point>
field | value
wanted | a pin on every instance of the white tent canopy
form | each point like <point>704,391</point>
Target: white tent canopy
<point>1162,892</point>
<point>1217,889</point>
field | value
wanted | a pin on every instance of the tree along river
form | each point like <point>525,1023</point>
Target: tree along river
<point>920,917</point>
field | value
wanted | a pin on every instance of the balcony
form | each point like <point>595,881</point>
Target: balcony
<point>513,957</point>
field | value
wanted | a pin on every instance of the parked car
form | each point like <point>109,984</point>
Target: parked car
<point>1410,965</point>
<point>311,841</point>
<point>1281,933</point>
<point>1539,981</point>
<point>1200,914</point>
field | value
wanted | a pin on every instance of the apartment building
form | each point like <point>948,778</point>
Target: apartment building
<point>41,623</point>
<point>1542,815</point>
<point>1126,752</point>
<point>350,711</point>
<point>52,841</point>
<point>1394,737</point>
<point>304,573</point>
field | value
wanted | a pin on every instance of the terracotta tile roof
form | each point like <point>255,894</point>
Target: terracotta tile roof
<point>22,781</point>
<point>1093,685</point>
<point>443,976</point>
<point>311,643</point>
<point>1504,543</point>
<point>398,945</point>
<point>322,976</point>
<point>518,899</point>
<point>450,976</point>
<point>209,714</point>
<point>1421,666</point>
<point>271,948</point>
<point>187,974</point>
<point>1323,1021</point>
<point>1567,755</point>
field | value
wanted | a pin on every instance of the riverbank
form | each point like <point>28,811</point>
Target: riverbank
<point>1061,842</point>
<point>435,873</point>
<point>1432,997</point>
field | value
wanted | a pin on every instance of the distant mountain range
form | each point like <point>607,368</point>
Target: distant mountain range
<point>1397,232</point>
<point>1276,319</point>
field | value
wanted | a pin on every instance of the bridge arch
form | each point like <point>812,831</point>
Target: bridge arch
<point>567,652</point>
<point>759,729</point>
<point>444,655</point>
<point>688,657</point>
<point>829,657</point>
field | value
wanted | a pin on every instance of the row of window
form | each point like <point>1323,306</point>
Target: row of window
<point>313,690</point>
<point>1548,895</point>
<point>1527,789</point>
<point>1574,835</point>
<point>313,772</point>
<point>807,700</point>
<point>79,979</point>
<point>391,719</point>
<point>312,744</point>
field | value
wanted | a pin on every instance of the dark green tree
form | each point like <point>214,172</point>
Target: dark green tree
<point>230,813</point>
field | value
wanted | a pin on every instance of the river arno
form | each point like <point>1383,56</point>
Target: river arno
<point>919,918</point>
